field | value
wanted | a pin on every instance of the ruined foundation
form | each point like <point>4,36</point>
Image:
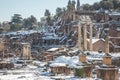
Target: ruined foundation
<point>107,73</point>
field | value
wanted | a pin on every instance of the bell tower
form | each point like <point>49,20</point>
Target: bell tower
<point>78,5</point>
<point>69,5</point>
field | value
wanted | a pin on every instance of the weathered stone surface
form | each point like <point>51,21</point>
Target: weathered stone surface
<point>82,58</point>
<point>6,65</point>
<point>60,70</point>
<point>107,60</point>
<point>108,73</point>
<point>88,71</point>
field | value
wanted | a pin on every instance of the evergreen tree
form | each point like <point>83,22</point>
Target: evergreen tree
<point>49,20</point>
<point>47,13</point>
<point>58,11</point>
<point>16,19</point>
<point>16,22</point>
<point>116,4</point>
<point>96,6</point>
<point>30,22</point>
<point>86,6</point>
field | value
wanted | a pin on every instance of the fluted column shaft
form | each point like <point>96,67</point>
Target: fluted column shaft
<point>79,37</point>
<point>107,44</point>
<point>85,36</point>
<point>90,36</point>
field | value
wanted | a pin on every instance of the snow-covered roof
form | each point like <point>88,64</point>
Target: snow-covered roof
<point>102,10</point>
<point>58,64</point>
<point>95,56</point>
<point>16,37</point>
<point>74,50</point>
<point>50,36</point>
<point>25,43</point>
<point>22,32</point>
<point>52,49</point>
<point>115,54</point>
<point>115,13</point>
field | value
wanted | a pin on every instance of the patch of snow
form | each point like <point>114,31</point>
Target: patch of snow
<point>94,40</point>
<point>57,64</point>
<point>23,32</point>
<point>53,49</point>
<point>115,54</point>
<point>72,62</point>
<point>38,63</point>
<point>31,66</point>
<point>95,56</point>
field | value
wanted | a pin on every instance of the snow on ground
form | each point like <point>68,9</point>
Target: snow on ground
<point>35,71</point>
<point>17,77</point>
<point>72,62</point>
<point>23,77</point>
<point>22,32</point>
<point>115,54</point>
<point>95,56</point>
<point>31,66</point>
<point>38,63</point>
<point>72,78</point>
<point>83,79</point>
<point>27,73</point>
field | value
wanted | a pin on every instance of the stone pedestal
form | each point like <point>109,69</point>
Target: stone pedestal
<point>108,73</point>
<point>60,70</point>
<point>87,68</point>
<point>1,46</point>
<point>88,71</point>
<point>82,58</point>
<point>26,51</point>
<point>107,60</point>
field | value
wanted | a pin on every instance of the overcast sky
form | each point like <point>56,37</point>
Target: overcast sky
<point>31,7</point>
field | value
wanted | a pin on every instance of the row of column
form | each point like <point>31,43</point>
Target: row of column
<point>26,51</point>
<point>84,37</point>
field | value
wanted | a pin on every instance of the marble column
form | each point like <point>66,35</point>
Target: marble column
<point>90,36</point>
<point>26,51</point>
<point>107,44</point>
<point>79,37</point>
<point>85,36</point>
